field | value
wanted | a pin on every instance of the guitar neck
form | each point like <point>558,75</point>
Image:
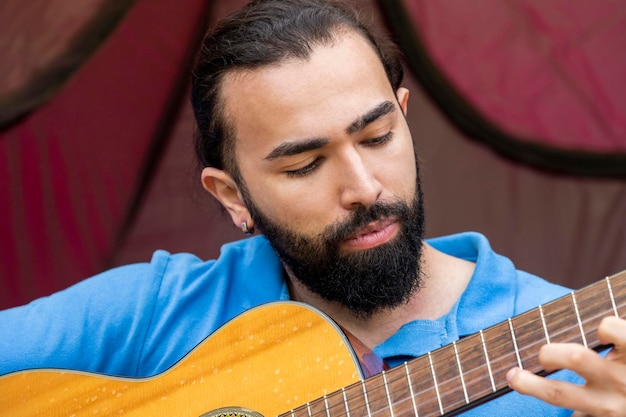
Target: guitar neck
<point>473,370</point>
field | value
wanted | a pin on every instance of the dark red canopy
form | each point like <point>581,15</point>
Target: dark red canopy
<point>541,81</point>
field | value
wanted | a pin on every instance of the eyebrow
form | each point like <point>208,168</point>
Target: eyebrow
<point>305,145</point>
<point>294,148</point>
<point>383,109</point>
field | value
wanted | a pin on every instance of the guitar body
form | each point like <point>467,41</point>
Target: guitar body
<point>270,359</point>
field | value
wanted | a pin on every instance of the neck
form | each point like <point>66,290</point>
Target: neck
<point>444,280</point>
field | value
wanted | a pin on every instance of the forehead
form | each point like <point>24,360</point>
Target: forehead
<point>305,97</point>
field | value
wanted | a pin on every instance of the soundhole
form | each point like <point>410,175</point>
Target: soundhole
<point>232,412</point>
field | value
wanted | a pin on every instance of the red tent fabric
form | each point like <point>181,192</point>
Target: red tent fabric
<point>72,168</point>
<point>541,81</point>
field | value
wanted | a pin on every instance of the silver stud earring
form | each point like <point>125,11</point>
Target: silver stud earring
<point>247,230</point>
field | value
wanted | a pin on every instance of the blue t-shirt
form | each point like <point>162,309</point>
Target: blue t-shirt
<point>139,320</point>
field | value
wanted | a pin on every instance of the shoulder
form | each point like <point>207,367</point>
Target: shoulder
<point>126,320</point>
<point>197,297</point>
<point>497,290</point>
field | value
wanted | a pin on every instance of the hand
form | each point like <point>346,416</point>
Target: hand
<point>604,392</point>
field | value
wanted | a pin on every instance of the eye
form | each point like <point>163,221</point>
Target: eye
<point>381,140</point>
<point>305,170</point>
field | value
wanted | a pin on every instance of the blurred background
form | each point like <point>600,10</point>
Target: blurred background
<point>517,109</point>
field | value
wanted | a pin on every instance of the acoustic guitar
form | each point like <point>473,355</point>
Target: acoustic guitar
<point>290,360</point>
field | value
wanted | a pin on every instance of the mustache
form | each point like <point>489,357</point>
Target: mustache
<point>361,217</point>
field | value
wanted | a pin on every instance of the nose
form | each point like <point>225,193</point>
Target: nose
<point>359,185</point>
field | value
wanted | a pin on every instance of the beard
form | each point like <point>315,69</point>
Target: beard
<point>366,281</point>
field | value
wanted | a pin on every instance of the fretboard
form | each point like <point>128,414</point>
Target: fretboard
<point>473,370</point>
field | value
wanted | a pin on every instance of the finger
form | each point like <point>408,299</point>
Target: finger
<point>559,393</point>
<point>587,402</point>
<point>599,372</point>
<point>612,330</point>
<point>585,362</point>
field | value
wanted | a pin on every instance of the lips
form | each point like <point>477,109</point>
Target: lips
<point>371,228</point>
<point>373,234</point>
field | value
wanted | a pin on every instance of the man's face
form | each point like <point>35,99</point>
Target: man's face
<point>330,175</point>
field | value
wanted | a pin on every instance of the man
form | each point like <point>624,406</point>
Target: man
<point>302,136</point>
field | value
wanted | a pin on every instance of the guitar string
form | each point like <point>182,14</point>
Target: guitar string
<point>529,323</point>
<point>519,328</point>
<point>534,345</point>
<point>461,402</point>
<point>373,397</point>
<point>382,397</point>
<point>532,323</point>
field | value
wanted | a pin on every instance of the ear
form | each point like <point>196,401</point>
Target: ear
<point>402,95</point>
<point>225,190</point>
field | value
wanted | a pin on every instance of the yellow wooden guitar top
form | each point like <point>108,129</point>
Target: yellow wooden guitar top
<point>270,359</point>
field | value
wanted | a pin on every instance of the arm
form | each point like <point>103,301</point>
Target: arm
<point>604,393</point>
<point>86,326</point>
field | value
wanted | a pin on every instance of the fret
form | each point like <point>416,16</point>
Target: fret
<point>482,341</point>
<point>474,368</point>
<point>501,352</point>
<point>376,398</point>
<point>519,360</point>
<point>543,324</point>
<point>529,337</point>
<point>295,412</point>
<point>411,392</point>
<point>387,394</point>
<point>401,397</point>
<point>432,371</point>
<point>367,401</point>
<point>345,401</point>
<point>334,403</point>
<point>355,399</point>
<point>308,409</point>
<point>326,406</point>
<point>608,285</point>
<point>448,378</point>
<point>302,411</point>
<point>423,386</point>
<point>559,315</point>
<point>317,407</point>
<point>580,324</point>
<point>618,287</point>
<point>458,362</point>
<point>592,304</point>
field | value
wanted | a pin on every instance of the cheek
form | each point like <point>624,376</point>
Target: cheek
<point>399,170</point>
<point>297,205</point>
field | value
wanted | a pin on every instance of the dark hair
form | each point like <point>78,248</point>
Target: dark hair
<point>266,32</point>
